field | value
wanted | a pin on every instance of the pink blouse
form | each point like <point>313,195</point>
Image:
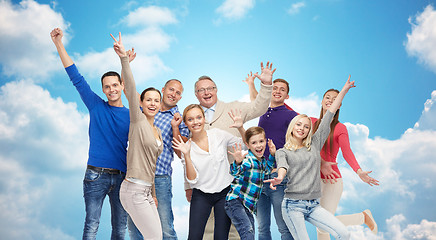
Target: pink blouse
<point>340,139</point>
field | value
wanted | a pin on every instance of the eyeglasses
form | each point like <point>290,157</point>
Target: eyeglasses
<point>203,90</point>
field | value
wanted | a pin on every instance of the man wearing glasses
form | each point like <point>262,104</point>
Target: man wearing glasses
<point>216,113</point>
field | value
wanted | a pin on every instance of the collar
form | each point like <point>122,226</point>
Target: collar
<point>211,108</point>
<point>172,110</point>
<point>281,107</point>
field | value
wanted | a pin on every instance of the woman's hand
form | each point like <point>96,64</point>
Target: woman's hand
<point>179,144</point>
<point>366,178</point>
<point>328,172</point>
<point>273,182</point>
<point>249,79</point>
<point>119,47</point>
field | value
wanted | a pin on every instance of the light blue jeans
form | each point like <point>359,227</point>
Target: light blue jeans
<point>296,211</point>
<point>274,198</point>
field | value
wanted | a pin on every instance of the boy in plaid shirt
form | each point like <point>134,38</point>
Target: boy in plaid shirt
<point>249,170</point>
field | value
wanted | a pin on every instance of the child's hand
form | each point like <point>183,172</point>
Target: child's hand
<point>237,153</point>
<point>273,182</point>
<point>272,147</point>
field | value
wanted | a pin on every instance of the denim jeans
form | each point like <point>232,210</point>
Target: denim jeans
<point>241,217</point>
<point>164,195</point>
<point>96,185</point>
<point>296,211</point>
<point>199,211</point>
<point>273,198</point>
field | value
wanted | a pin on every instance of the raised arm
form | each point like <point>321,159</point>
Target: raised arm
<point>249,80</point>
<point>338,101</point>
<point>56,36</point>
<point>185,148</point>
<point>132,55</point>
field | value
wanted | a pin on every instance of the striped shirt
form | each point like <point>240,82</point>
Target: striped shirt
<point>163,121</point>
<point>248,181</point>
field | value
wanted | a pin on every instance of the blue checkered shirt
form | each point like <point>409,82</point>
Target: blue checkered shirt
<point>248,181</point>
<point>163,121</point>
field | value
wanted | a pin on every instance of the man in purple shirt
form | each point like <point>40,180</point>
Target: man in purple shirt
<point>275,123</point>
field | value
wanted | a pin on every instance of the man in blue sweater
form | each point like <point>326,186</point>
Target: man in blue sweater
<point>108,135</point>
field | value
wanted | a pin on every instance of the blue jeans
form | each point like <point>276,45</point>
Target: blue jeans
<point>241,217</point>
<point>296,211</point>
<point>274,198</point>
<point>164,195</point>
<point>96,185</point>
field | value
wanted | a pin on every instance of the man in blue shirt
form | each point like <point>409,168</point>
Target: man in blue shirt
<point>169,121</point>
<point>108,135</point>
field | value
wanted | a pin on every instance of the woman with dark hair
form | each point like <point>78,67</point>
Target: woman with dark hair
<point>145,144</point>
<point>332,183</point>
<point>207,170</point>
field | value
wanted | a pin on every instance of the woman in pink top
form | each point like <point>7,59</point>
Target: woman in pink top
<point>332,184</point>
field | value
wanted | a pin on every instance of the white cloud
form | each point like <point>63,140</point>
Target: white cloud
<point>150,16</point>
<point>148,43</point>
<point>309,105</point>
<point>44,152</point>
<point>420,41</point>
<point>296,7</point>
<point>25,41</point>
<point>400,230</point>
<point>235,9</point>
<point>428,116</point>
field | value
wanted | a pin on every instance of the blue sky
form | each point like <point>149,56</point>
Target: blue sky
<point>388,47</point>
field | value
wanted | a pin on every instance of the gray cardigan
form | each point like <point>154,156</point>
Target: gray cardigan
<point>303,166</point>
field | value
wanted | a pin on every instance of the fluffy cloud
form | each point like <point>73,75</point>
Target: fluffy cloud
<point>420,41</point>
<point>150,16</point>
<point>424,230</point>
<point>427,119</point>
<point>44,150</point>
<point>27,26</point>
<point>295,8</point>
<point>148,42</point>
<point>235,9</point>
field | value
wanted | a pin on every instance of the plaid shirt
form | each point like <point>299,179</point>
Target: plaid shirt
<point>248,181</point>
<point>163,121</point>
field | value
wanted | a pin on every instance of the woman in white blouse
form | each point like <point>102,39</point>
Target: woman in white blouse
<point>207,171</point>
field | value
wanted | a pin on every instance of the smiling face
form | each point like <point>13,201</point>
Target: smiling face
<point>151,103</point>
<point>301,128</point>
<point>194,119</point>
<point>206,93</point>
<point>279,94</point>
<point>171,94</point>
<point>112,88</point>
<point>328,99</point>
<point>257,144</point>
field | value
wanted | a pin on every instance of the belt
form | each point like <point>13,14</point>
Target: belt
<point>104,170</point>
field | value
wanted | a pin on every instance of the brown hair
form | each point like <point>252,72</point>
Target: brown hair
<point>253,131</point>
<point>332,124</point>
<point>190,107</point>
<point>147,90</point>
<point>282,81</point>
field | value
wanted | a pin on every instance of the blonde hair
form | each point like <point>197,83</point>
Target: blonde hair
<point>291,142</point>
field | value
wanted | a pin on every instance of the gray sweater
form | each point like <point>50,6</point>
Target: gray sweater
<point>303,167</point>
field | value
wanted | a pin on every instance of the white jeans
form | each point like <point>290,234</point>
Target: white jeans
<point>331,194</point>
<point>139,204</point>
